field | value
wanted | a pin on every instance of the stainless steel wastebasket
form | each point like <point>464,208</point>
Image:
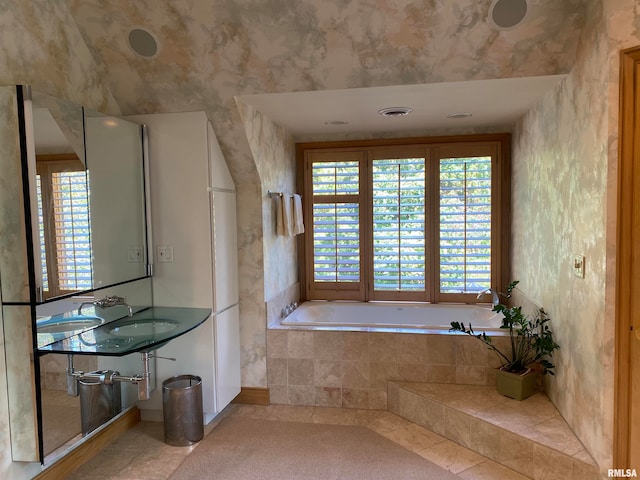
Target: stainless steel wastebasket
<point>99,402</point>
<point>182,410</point>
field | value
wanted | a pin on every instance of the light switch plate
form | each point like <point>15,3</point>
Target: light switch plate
<point>578,266</point>
<point>165,253</point>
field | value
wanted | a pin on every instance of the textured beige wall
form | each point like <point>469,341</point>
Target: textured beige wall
<point>564,198</point>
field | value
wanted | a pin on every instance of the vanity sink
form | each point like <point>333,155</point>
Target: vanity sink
<point>143,328</point>
<point>68,324</point>
<point>148,329</point>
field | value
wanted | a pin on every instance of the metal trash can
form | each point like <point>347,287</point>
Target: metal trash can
<point>99,402</point>
<point>182,410</point>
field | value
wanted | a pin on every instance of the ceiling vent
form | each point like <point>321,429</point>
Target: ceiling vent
<point>507,14</point>
<point>395,111</point>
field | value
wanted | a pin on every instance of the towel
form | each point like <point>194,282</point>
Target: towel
<point>284,215</point>
<point>298,222</point>
<point>279,215</point>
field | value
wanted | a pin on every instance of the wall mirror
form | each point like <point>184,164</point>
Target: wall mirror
<point>90,227</point>
<point>86,177</point>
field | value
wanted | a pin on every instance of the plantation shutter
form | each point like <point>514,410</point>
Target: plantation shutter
<point>405,222</point>
<point>72,229</point>
<point>64,226</point>
<point>42,235</point>
<point>398,228</point>
<point>336,230</point>
<point>465,224</point>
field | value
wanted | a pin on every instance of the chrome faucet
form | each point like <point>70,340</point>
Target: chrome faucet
<point>106,302</point>
<point>494,296</point>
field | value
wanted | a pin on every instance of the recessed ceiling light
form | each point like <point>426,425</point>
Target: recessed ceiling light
<point>143,42</point>
<point>506,14</point>
<point>336,122</point>
<point>395,111</point>
<point>459,115</point>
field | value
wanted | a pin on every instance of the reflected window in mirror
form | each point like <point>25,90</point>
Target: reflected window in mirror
<point>64,224</point>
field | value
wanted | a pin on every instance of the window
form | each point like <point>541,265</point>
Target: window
<point>64,227</point>
<point>404,221</point>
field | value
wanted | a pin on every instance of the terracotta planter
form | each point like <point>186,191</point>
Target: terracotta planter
<point>516,386</point>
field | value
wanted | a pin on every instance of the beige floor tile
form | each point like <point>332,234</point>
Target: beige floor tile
<point>555,433</point>
<point>381,422</point>
<point>292,413</point>
<point>489,470</point>
<point>153,465</point>
<point>452,456</point>
<point>334,416</point>
<point>254,411</point>
<point>414,437</point>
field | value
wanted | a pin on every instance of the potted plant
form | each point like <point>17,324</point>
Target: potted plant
<point>531,342</point>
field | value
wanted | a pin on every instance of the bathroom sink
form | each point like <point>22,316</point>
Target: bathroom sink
<point>142,327</point>
<point>68,324</point>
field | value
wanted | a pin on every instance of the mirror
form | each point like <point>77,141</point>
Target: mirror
<point>90,196</point>
<point>115,171</point>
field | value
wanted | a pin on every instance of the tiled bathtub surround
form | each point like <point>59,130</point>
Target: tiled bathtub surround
<point>350,368</point>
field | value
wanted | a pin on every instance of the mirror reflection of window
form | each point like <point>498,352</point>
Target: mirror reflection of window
<point>65,240</point>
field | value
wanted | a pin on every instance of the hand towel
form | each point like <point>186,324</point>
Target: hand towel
<point>284,215</point>
<point>279,215</point>
<point>298,222</point>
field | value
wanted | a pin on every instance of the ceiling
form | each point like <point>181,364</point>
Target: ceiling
<point>308,62</point>
<point>490,103</point>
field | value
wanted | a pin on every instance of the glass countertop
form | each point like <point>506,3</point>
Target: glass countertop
<point>146,330</point>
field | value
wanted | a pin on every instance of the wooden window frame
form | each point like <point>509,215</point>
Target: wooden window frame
<point>500,145</point>
<point>46,166</point>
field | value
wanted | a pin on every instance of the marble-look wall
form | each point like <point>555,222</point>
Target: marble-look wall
<point>40,45</point>
<point>563,203</point>
<point>273,152</point>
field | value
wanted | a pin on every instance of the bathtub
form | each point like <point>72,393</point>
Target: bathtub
<point>385,315</point>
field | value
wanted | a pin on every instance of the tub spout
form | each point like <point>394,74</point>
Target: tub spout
<point>494,296</point>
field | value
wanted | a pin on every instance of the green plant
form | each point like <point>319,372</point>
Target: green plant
<point>531,340</point>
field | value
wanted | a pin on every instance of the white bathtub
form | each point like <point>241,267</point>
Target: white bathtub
<point>392,315</point>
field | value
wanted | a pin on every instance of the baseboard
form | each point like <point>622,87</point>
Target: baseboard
<point>87,450</point>
<point>253,396</point>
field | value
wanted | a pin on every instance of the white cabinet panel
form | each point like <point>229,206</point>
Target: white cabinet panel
<point>225,250</point>
<point>227,332</point>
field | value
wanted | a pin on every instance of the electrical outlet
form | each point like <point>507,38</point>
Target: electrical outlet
<point>165,253</point>
<point>578,266</point>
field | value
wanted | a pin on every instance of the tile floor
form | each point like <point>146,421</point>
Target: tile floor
<point>141,453</point>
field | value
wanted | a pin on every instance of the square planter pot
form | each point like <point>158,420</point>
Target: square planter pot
<point>516,386</point>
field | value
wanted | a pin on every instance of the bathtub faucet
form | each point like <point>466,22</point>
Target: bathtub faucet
<point>494,296</point>
<point>286,311</point>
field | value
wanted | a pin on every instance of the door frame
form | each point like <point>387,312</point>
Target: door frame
<point>628,175</point>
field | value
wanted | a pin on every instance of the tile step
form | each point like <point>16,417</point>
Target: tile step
<point>528,436</point>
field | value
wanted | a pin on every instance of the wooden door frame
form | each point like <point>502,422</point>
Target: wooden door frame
<point>628,175</point>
